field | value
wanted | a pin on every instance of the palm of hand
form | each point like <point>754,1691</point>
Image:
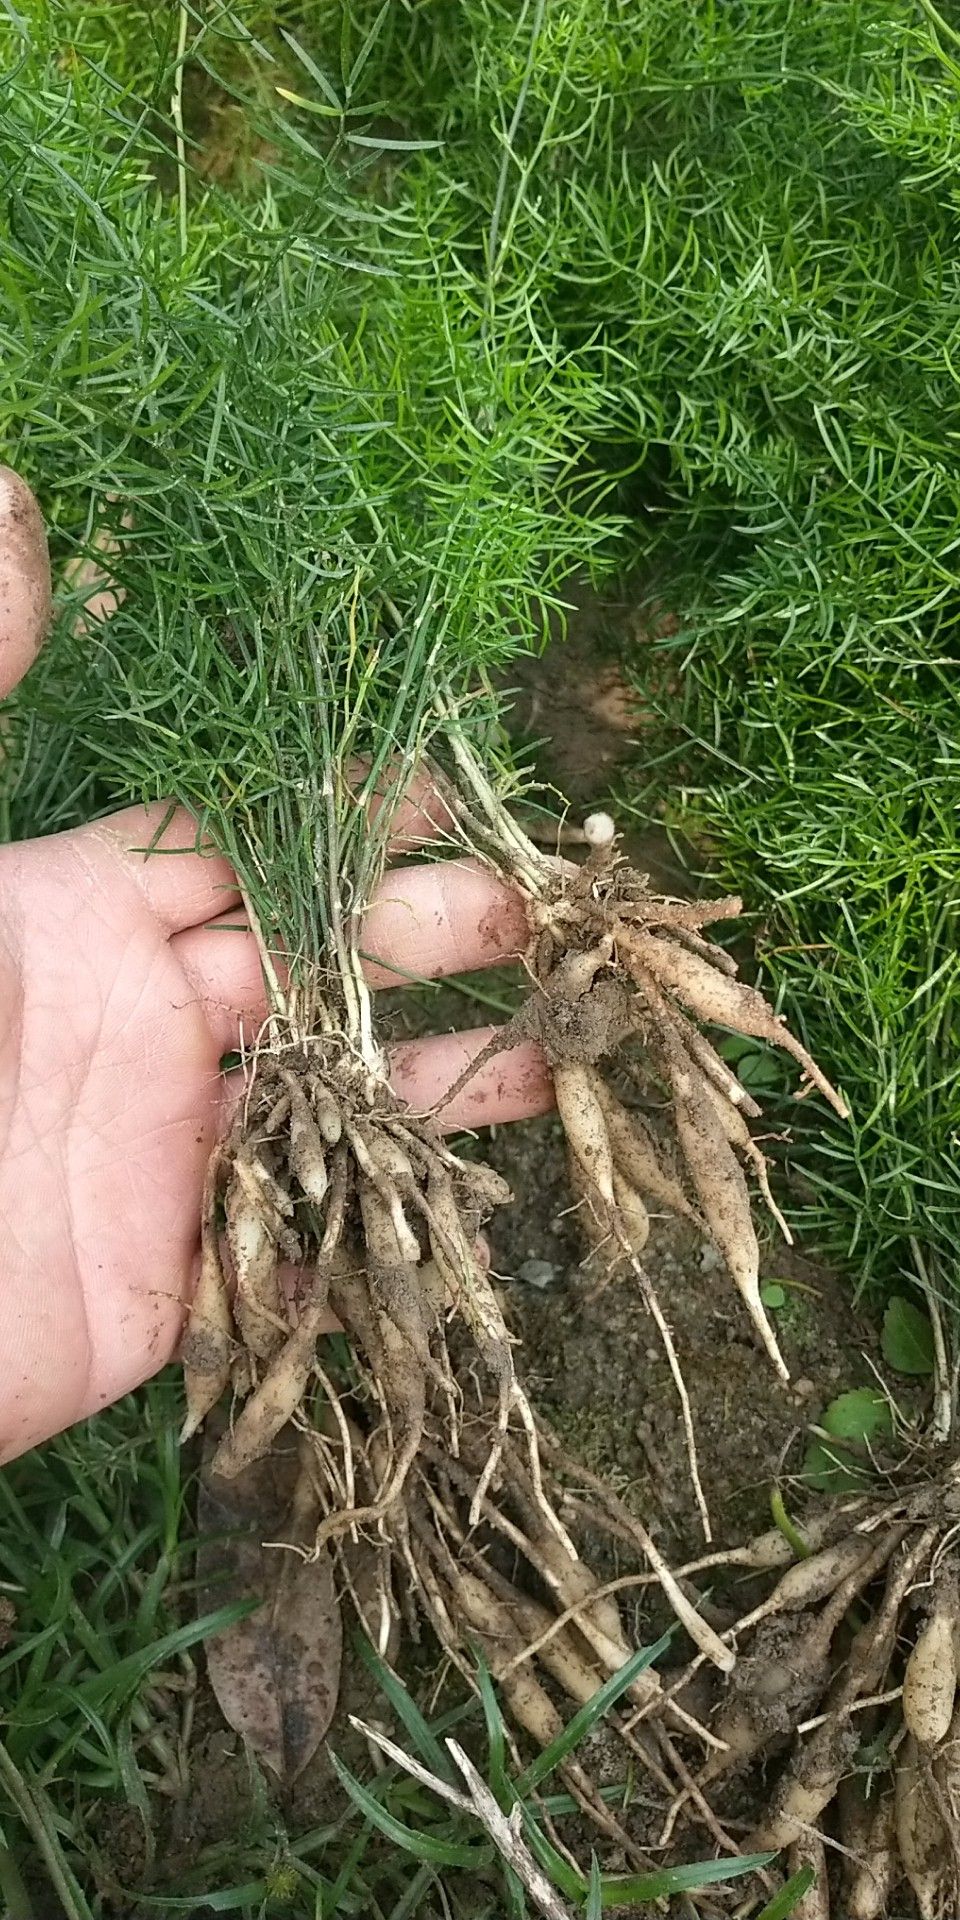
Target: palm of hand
<point>111,1098</point>
<point>124,978</point>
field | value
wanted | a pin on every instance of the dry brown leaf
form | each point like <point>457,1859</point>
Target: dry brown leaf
<point>276,1673</point>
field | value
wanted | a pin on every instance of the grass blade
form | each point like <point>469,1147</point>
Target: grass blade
<point>788,1899</point>
<point>594,1906</point>
<point>496,1743</point>
<point>618,1890</point>
<point>408,1713</point>
<point>423,1846</point>
<point>588,1716</point>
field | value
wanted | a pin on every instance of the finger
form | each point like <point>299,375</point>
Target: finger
<point>222,966</point>
<point>184,887</point>
<point>429,921</point>
<point>24,580</point>
<point>426,921</point>
<point>512,1085</point>
<point>157,846</point>
<point>418,813</point>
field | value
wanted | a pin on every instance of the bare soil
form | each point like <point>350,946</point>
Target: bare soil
<point>596,1367</point>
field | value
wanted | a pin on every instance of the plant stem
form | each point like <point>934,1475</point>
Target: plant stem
<point>355,991</point>
<point>278,1000</point>
<point>31,1810</point>
<point>16,1899</point>
<point>943,1412</point>
<point>176,111</point>
<point>509,159</point>
<point>527,860</point>
<point>786,1525</point>
<point>937,20</point>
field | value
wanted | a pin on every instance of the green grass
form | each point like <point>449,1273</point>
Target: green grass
<point>582,281</point>
<point>97,1696</point>
<point>269,376</point>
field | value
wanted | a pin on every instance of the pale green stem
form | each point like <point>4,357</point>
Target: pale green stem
<point>527,860</point>
<point>941,1425</point>
<point>176,110</point>
<point>279,1008</point>
<point>30,1806</point>
<point>355,990</point>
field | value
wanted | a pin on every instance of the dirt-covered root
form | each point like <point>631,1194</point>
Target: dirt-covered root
<point>845,1696</point>
<point>491,1562</point>
<point>622,975</point>
<point>324,1172</point>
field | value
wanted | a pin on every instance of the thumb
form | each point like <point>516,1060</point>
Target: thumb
<point>24,580</point>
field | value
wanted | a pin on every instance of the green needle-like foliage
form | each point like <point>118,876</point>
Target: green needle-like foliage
<point>740,223</point>
<point>293,454</point>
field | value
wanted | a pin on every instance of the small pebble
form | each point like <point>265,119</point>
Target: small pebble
<point>539,1273</point>
<point>803,1388</point>
<point>711,1259</point>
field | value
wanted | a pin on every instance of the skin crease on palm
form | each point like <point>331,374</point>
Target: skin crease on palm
<point>119,994</point>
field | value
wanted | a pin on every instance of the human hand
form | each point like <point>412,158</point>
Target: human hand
<point>123,981</point>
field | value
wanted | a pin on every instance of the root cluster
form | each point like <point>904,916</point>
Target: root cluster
<point>845,1690</point>
<point>490,1561</point>
<point>425,1445</point>
<point>324,1175</point>
<point>612,963</point>
<point>325,1171</point>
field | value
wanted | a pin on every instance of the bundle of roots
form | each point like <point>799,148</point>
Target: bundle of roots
<point>845,1692</point>
<point>428,1447</point>
<point>324,1171</point>
<point>490,1560</point>
<point>611,963</point>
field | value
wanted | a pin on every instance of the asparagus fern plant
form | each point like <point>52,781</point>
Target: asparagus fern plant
<point>738,224</point>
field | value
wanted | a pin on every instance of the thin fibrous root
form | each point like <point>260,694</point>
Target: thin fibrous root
<point>494,1625</point>
<point>575,1648</point>
<point>608,1505</point>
